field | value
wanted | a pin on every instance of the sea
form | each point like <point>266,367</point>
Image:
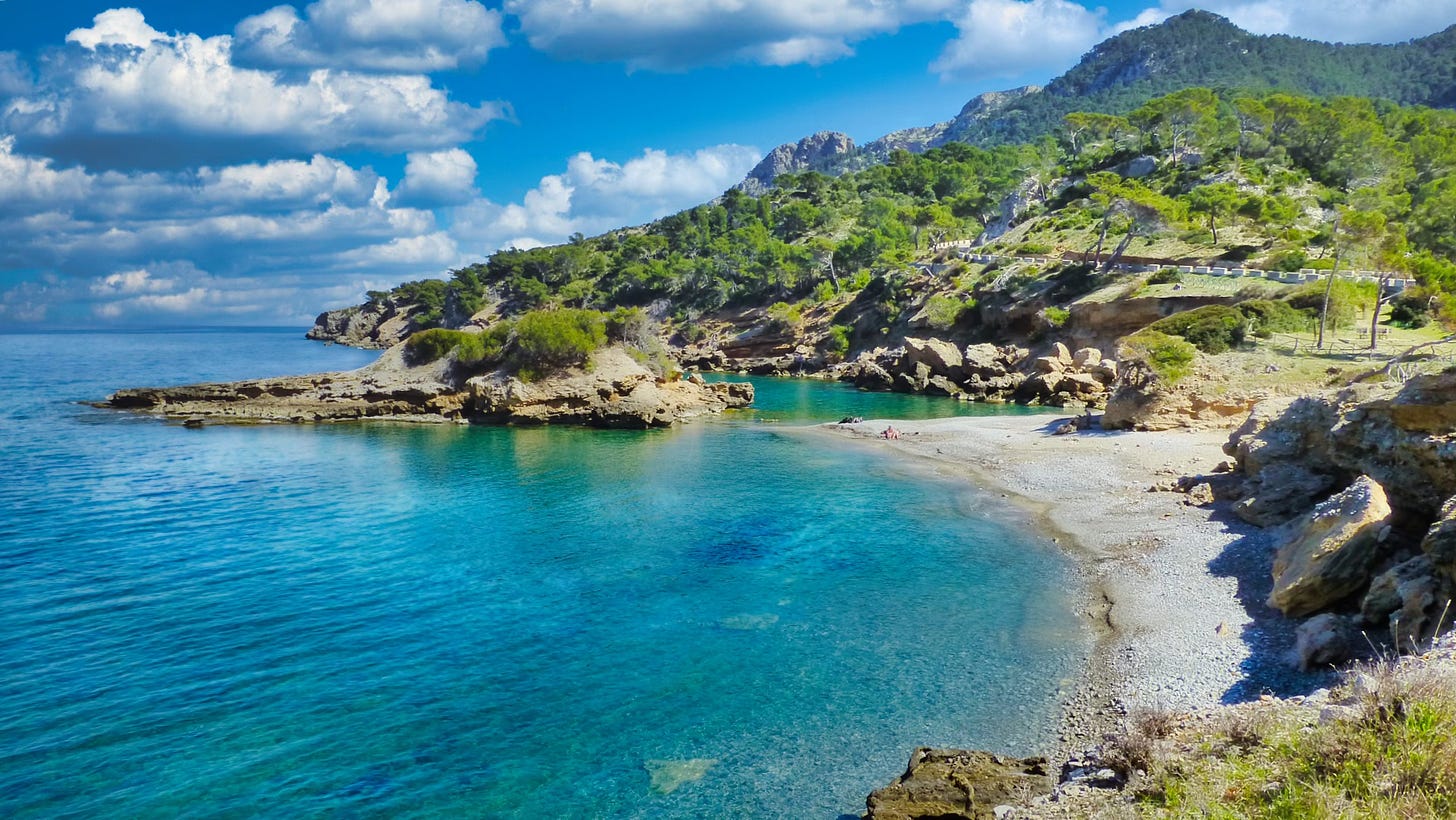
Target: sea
<point>731,618</point>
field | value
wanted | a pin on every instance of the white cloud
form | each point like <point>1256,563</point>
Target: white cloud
<point>438,178</point>
<point>131,282</point>
<point>677,34</point>
<point>15,76</point>
<point>372,35</point>
<point>1007,38</point>
<point>595,195</point>
<point>1348,21</point>
<point>177,99</point>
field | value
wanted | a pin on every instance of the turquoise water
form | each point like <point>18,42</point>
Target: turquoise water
<point>444,621</point>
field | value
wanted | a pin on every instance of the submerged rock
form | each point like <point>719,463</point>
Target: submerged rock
<point>667,776</point>
<point>949,784</point>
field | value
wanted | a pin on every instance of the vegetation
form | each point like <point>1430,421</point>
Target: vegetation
<point>1390,753</point>
<point>1165,357</point>
<point>546,340</point>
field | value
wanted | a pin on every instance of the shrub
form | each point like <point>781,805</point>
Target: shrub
<point>1167,357</point>
<point>824,291</point>
<point>1267,317</point>
<point>1212,328</point>
<point>784,315</point>
<point>1034,249</point>
<point>1057,316</point>
<point>631,326</point>
<point>1348,299</point>
<point>551,339</point>
<point>434,344</point>
<point>1411,309</point>
<point>1166,276</point>
<point>942,311</point>
<point>837,343</point>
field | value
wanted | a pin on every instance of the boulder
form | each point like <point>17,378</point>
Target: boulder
<point>942,358</point>
<point>1440,541</point>
<point>984,360</point>
<point>1406,440</point>
<point>1087,358</point>
<point>950,784</point>
<point>1323,640</point>
<point>1283,491</point>
<point>1049,364</point>
<point>1412,600</point>
<point>941,386</point>
<point>1062,354</point>
<point>1282,449</point>
<point>1328,553</point>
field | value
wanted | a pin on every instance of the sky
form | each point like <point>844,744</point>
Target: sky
<point>247,163</point>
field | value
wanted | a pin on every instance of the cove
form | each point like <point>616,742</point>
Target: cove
<point>723,619</point>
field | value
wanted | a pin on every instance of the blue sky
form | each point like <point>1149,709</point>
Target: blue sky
<point>253,163</point>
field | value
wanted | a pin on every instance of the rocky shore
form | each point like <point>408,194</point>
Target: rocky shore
<point>1202,550</point>
<point>615,391</point>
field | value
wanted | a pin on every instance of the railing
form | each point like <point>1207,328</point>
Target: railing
<point>1392,282</point>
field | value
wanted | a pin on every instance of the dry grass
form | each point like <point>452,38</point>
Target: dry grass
<point>1389,751</point>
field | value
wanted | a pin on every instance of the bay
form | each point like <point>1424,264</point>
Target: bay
<point>724,619</point>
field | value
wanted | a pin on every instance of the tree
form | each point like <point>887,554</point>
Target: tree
<point>1219,200</point>
<point>1178,120</point>
<point>1353,227</point>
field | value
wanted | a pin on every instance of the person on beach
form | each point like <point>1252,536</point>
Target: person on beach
<point>890,434</point>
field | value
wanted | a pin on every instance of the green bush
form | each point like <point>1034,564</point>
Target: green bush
<point>1267,317</point>
<point>434,344</point>
<point>551,339</point>
<point>1166,276</point>
<point>784,315</point>
<point>1411,309</point>
<point>1034,249</point>
<point>1057,316</point>
<point>837,342</point>
<point>824,291</point>
<point>1167,357</point>
<point>942,311</point>
<point>1212,328</point>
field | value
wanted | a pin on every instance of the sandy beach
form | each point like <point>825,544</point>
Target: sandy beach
<point>1174,592</point>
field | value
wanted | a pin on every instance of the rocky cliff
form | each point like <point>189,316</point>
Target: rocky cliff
<point>615,392</point>
<point>814,152</point>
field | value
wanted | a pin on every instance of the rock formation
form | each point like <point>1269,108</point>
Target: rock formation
<point>1327,555</point>
<point>950,784</point>
<point>616,392</point>
<point>810,153</point>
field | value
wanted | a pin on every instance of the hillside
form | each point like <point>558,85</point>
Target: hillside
<point>1195,48</point>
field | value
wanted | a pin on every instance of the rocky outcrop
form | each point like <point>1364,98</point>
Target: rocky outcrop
<point>984,372</point>
<point>1440,541</point>
<point>1274,446</point>
<point>813,152</point>
<point>388,388</point>
<point>950,784</point>
<point>372,325</point>
<point>616,392</point>
<point>1191,404</point>
<point>981,109</point>
<point>1327,555</point>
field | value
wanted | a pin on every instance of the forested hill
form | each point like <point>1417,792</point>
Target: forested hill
<point>1195,48</point>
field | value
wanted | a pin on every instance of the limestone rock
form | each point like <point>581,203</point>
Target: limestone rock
<point>812,152</point>
<point>950,784</point>
<point>1328,554</point>
<point>1323,640</point>
<point>1087,358</point>
<point>616,392</point>
<point>1440,541</point>
<point>1412,600</point>
<point>943,358</point>
<point>1049,364</point>
<point>984,360</point>
<point>1406,440</point>
<point>1384,598</point>
<point>1062,354</point>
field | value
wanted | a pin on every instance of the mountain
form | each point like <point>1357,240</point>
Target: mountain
<point>1196,48</point>
<point>814,152</point>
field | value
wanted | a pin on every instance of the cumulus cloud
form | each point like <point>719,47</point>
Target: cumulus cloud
<point>15,76</point>
<point>437,178</point>
<point>371,35</point>
<point>594,195</point>
<point>125,92</point>
<point>1348,21</point>
<point>678,34</point>
<point>1006,38</point>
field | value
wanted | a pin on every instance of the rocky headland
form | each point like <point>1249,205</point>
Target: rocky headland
<point>615,391</point>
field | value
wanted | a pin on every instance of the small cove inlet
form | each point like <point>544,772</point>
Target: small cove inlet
<point>724,619</point>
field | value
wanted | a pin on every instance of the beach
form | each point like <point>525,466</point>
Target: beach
<point>1174,592</point>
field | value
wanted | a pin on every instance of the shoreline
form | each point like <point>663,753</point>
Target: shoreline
<point>1173,594</point>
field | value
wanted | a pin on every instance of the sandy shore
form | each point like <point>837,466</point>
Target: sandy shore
<point>1174,592</point>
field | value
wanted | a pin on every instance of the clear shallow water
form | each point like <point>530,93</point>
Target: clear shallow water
<point>387,620</point>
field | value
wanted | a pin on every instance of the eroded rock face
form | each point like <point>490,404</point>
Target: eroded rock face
<point>616,392</point>
<point>1440,541</point>
<point>949,784</point>
<point>1328,554</point>
<point>812,152</point>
